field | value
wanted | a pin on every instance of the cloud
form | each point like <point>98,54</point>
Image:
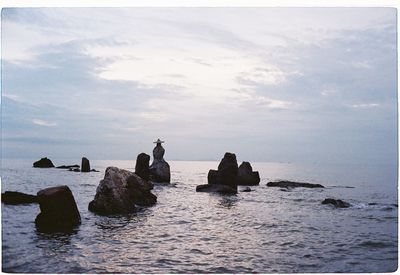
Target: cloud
<point>43,123</point>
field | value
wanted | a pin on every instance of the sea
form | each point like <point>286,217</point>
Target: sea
<point>267,230</point>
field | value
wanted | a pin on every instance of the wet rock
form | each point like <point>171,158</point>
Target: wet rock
<point>220,188</point>
<point>68,166</point>
<point>58,209</point>
<point>85,165</point>
<point>142,166</point>
<point>94,170</point>
<point>74,169</point>
<point>119,191</point>
<point>246,176</point>
<point>292,184</point>
<point>336,203</point>
<point>247,189</point>
<point>159,169</point>
<point>43,163</point>
<point>11,197</point>
<point>212,177</point>
<point>222,180</point>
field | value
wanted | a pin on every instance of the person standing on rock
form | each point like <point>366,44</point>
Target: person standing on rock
<point>159,169</point>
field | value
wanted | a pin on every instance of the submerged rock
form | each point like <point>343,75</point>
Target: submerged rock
<point>220,188</point>
<point>68,166</point>
<point>85,167</point>
<point>222,180</point>
<point>159,169</point>
<point>293,184</point>
<point>246,176</point>
<point>11,197</point>
<point>142,166</point>
<point>58,209</point>
<point>119,191</point>
<point>336,203</point>
<point>43,163</point>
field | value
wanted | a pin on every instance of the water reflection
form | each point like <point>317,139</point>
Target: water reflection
<point>228,201</point>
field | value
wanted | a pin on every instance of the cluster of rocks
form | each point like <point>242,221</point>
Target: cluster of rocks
<point>292,184</point>
<point>47,163</point>
<point>228,176</point>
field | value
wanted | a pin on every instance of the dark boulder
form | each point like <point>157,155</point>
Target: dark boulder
<point>68,166</point>
<point>58,210</point>
<point>228,170</point>
<point>10,197</point>
<point>85,167</point>
<point>222,180</point>
<point>212,177</point>
<point>43,163</point>
<point>246,176</point>
<point>120,191</point>
<point>220,188</point>
<point>142,166</point>
<point>336,203</point>
<point>292,184</point>
<point>247,189</point>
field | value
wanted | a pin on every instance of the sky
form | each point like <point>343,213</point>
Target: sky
<point>269,84</point>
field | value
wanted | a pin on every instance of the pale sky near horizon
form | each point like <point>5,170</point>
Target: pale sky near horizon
<point>269,84</point>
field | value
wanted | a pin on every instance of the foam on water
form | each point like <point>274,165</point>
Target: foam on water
<point>266,230</point>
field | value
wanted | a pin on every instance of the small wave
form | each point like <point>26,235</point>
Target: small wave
<point>375,244</point>
<point>198,251</point>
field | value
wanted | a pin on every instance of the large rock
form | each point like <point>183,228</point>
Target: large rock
<point>142,166</point>
<point>85,167</point>
<point>43,163</point>
<point>228,170</point>
<point>159,169</point>
<point>119,191</point>
<point>246,176</point>
<point>222,180</point>
<point>58,209</point>
<point>293,184</point>
<point>10,197</point>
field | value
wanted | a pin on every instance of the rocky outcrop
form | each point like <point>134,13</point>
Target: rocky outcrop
<point>85,167</point>
<point>43,163</point>
<point>293,184</point>
<point>246,176</point>
<point>142,166</point>
<point>11,197</point>
<point>120,191</point>
<point>68,166</point>
<point>336,203</point>
<point>58,209</point>
<point>159,169</point>
<point>222,180</point>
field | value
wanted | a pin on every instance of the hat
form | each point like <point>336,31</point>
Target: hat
<point>158,141</point>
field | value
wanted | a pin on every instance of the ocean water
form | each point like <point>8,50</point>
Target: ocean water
<point>264,231</point>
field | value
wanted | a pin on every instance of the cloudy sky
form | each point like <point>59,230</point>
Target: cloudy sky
<point>270,84</point>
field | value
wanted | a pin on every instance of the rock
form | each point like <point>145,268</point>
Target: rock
<point>94,170</point>
<point>142,166</point>
<point>220,188</point>
<point>159,169</point>
<point>58,209</point>
<point>74,169</point>
<point>222,180</point>
<point>247,189</point>
<point>119,191</point>
<point>292,184</point>
<point>10,197</point>
<point>85,167</point>
<point>212,177</point>
<point>68,166</point>
<point>43,163</point>
<point>228,170</point>
<point>336,203</point>
<point>246,176</point>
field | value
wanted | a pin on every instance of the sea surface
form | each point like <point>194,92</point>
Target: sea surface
<point>267,230</point>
